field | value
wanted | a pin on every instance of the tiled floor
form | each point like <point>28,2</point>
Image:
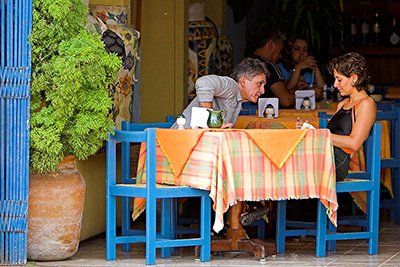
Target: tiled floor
<point>299,252</point>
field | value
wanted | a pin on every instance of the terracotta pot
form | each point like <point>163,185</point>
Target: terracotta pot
<point>55,211</point>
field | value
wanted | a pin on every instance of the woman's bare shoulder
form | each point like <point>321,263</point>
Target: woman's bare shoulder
<point>368,102</point>
<point>341,104</point>
<point>367,108</point>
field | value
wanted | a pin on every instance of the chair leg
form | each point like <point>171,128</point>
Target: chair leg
<point>373,208</point>
<point>331,243</point>
<point>151,230</point>
<point>166,220</point>
<point>396,192</point>
<point>280,226</point>
<point>125,221</point>
<point>320,247</point>
<point>111,232</point>
<point>205,229</point>
<point>261,229</point>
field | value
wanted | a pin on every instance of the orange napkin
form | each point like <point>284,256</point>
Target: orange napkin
<point>277,144</point>
<point>177,146</point>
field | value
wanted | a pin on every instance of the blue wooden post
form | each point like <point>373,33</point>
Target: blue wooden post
<point>15,73</point>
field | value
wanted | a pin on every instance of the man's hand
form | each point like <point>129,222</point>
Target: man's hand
<point>227,125</point>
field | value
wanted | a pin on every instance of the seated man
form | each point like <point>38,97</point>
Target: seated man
<point>267,46</point>
<point>221,92</point>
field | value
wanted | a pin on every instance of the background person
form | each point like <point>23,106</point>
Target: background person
<point>299,67</point>
<point>267,46</point>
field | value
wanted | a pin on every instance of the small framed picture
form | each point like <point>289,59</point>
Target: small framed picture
<point>305,99</point>
<point>268,107</point>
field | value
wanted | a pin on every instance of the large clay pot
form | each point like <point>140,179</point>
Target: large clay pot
<point>55,213</point>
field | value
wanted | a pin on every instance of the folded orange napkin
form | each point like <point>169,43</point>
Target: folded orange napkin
<point>277,144</point>
<point>177,145</point>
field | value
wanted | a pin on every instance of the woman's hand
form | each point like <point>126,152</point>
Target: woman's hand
<point>301,84</point>
<point>299,123</point>
<point>307,63</point>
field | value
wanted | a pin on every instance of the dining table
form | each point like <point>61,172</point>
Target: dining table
<point>238,165</point>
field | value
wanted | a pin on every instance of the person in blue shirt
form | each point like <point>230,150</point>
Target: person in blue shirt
<point>299,68</point>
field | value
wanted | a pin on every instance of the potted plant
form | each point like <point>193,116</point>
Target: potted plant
<point>69,116</point>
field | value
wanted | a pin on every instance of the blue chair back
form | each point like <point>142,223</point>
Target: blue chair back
<point>126,147</point>
<point>389,105</point>
<point>248,109</point>
<point>393,204</point>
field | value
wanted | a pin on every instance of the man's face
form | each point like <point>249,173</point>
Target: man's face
<point>252,89</point>
<point>276,49</point>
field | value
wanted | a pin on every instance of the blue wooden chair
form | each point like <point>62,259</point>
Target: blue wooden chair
<point>325,233</point>
<point>126,178</point>
<point>389,112</point>
<point>165,239</point>
<point>393,204</point>
<point>248,109</point>
<point>387,106</point>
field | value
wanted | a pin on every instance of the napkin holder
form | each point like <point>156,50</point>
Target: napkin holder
<point>301,94</point>
<point>198,118</point>
<point>263,102</point>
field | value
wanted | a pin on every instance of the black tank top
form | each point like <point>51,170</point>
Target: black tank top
<point>341,123</point>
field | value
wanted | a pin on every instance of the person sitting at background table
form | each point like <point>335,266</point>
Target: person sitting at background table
<point>267,45</point>
<point>300,69</point>
<point>221,92</point>
<point>355,115</point>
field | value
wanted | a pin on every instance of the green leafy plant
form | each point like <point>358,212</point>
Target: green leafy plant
<point>70,72</point>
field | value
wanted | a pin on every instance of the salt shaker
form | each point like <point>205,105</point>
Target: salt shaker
<point>181,121</point>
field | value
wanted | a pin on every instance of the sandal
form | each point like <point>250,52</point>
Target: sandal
<point>249,217</point>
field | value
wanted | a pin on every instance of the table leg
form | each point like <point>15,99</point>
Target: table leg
<point>237,239</point>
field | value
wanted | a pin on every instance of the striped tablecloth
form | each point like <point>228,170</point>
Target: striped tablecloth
<point>232,167</point>
<point>287,119</point>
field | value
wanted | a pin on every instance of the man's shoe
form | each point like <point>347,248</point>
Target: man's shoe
<point>249,217</point>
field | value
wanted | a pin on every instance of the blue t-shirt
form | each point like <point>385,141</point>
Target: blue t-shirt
<point>307,76</point>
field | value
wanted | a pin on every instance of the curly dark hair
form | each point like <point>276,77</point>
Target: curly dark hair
<point>349,64</point>
<point>286,53</point>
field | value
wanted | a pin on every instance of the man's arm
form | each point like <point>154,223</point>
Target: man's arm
<point>206,104</point>
<point>286,99</point>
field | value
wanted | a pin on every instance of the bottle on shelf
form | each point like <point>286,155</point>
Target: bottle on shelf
<point>353,30</point>
<point>394,35</point>
<point>365,30</point>
<point>325,93</point>
<point>376,29</point>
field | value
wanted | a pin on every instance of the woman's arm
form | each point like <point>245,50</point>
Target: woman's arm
<point>294,79</point>
<point>365,118</point>
<point>286,99</point>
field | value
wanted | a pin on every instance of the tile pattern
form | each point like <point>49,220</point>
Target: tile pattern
<point>299,252</point>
